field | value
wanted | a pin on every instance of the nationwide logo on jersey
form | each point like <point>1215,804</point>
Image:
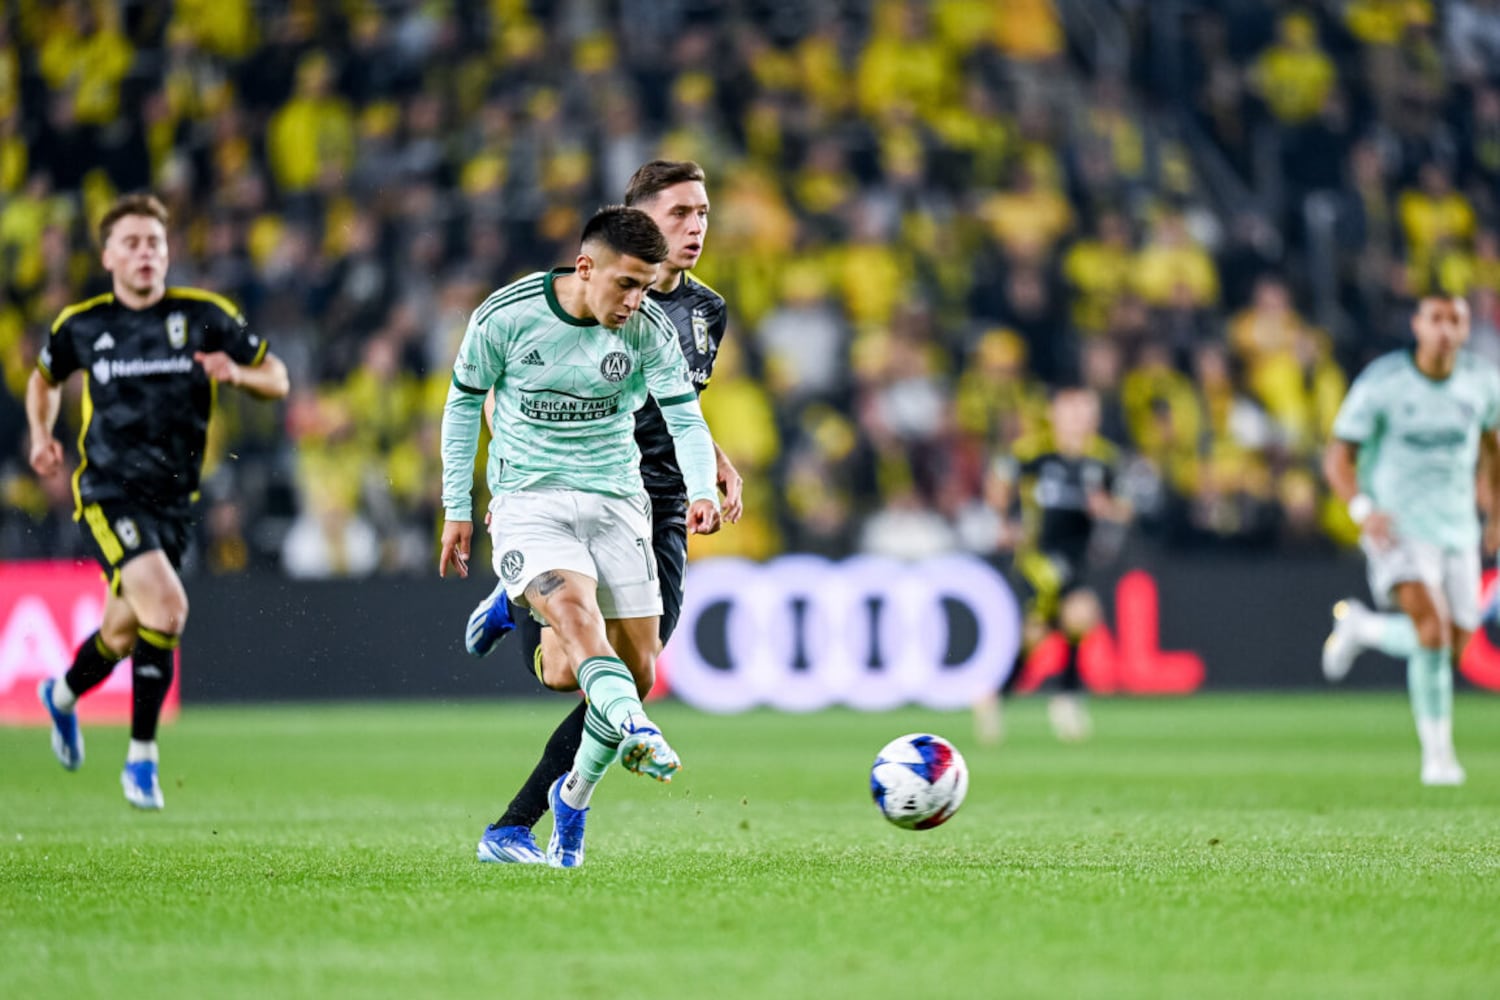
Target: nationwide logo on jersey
<point>511,565</point>
<point>615,366</point>
<point>177,330</point>
<point>105,342</point>
<point>534,358</point>
<point>104,369</point>
<point>700,331</point>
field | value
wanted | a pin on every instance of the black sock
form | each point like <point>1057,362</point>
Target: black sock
<point>1071,681</point>
<point>531,801</point>
<point>529,631</point>
<point>150,680</point>
<point>92,663</point>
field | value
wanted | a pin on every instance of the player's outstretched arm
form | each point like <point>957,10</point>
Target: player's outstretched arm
<point>1340,468</point>
<point>43,401</point>
<point>695,455</point>
<point>731,485</point>
<point>267,380</point>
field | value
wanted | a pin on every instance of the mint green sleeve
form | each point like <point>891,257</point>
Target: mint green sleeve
<point>1359,415</point>
<point>667,379</point>
<point>479,365</point>
<point>695,448</point>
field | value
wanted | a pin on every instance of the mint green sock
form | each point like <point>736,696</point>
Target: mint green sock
<point>596,753</point>
<point>610,689</point>
<point>1442,687</point>
<point>1426,670</point>
<point>1396,636</point>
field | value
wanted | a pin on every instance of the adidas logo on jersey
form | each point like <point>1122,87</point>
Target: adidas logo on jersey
<point>534,358</point>
<point>105,342</point>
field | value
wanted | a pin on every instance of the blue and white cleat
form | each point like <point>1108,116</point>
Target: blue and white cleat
<point>141,787</point>
<point>489,622</point>
<point>67,738</point>
<point>510,845</point>
<point>565,848</point>
<point>645,751</point>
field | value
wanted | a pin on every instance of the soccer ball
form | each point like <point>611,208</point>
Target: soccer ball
<point>918,781</point>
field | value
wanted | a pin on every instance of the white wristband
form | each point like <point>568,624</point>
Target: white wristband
<point>1360,508</point>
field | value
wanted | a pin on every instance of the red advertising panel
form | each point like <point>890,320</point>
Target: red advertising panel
<point>46,609</point>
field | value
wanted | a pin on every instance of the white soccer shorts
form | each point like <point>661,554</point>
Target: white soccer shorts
<point>1452,575</point>
<point>606,538</point>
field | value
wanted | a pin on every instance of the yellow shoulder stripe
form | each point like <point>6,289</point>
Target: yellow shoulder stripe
<point>203,295</point>
<point>699,281</point>
<point>73,310</point>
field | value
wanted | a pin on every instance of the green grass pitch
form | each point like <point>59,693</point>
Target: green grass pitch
<point>1213,847</point>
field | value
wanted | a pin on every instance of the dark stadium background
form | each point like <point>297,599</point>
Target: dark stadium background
<point>924,215</point>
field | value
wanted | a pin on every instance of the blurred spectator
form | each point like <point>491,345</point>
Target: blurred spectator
<point>1294,76</point>
<point>927,215</point>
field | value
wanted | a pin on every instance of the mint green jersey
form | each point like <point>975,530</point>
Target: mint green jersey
<point>1419,443</point>
<point>566,392</point>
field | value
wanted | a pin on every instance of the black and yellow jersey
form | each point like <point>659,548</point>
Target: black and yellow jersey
<point>146,402</point>
<point>1053,490</point>
<point>699,314</point>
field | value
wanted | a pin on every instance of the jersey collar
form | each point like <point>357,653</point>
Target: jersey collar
<point>556,306</point>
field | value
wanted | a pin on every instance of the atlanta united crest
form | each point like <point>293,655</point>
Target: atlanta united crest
<point>177,330</point>
<point>615,366</point>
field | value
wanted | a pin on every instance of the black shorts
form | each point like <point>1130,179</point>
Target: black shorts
<point>669,543</point>
<point>1042,580</point>
<point>116,531</point>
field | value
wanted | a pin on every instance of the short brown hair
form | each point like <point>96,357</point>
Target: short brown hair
<point>627,231</point>
<point>658,175</point>
<point>132,204</point>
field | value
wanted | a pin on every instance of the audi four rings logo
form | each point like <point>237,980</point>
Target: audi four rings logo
<point>801,633</point>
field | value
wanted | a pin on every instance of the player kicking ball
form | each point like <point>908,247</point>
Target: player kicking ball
<point>674,194</point>
<point>571,354</point>
<point>1407,443</point>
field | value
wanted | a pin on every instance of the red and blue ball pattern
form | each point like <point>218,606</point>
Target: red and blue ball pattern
<point>918,781</point>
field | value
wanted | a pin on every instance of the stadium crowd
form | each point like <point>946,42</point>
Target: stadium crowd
<point>924,215</point>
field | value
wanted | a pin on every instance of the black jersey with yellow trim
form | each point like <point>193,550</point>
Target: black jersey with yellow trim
<point>146,402</point>
<point>1053,489</point>
<point>700,316</point>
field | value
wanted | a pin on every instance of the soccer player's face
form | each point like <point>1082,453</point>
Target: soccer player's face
<point>615,285</point>
<point>136,253</point>
<point>1439,326</point>
<point>681,212</point>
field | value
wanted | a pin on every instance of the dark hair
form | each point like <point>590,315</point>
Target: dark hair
<point>131,204</point>
<point>655,177</point>
<point>627,231</point>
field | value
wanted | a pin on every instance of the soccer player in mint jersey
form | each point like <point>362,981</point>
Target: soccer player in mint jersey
<point>1406,449</point>
<point>571,354</point>
<point>673,193</point>
<point>150,357</point>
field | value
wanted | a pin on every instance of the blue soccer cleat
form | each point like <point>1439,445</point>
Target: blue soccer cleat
<point>644,751</point>
<point>489,623</point>
<point>565,848</point>
<point>510,845</point>
<point>141,787</point>
<point>67,738</point>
